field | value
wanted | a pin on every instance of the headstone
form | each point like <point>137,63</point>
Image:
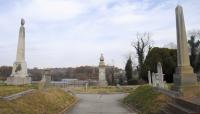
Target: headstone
<point>157,78</point>
<point>160,75</point>
<point>157,81</point>
<point>46,79</point>
<point>159,68</point>
<point>86,87</point>
<point>19,74</point>
<point>154,79</point>
<point>102,72</point>
<point>184,75</point>
<point>149,77</point>
<point>46,76</point>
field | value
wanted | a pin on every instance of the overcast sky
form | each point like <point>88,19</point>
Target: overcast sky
<point>70,33</point>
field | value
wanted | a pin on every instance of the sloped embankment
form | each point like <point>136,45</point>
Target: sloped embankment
<point>146,100</point>
<point>51,101</point>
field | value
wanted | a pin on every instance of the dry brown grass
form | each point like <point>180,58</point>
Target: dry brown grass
<point>51,101</point>
<point>8,90</point>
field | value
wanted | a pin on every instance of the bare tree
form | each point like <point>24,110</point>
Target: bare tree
<point>112,72</point>
<point>142,44</point>
<point>194,33</point>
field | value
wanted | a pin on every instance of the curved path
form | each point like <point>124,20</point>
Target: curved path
<point>100,104</point>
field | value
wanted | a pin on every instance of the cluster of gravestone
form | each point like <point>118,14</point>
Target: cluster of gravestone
<point>157,79</point>
<point>184,76</point>
<point>184,79</point>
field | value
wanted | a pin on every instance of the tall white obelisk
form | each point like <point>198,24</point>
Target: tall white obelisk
<point>184,75</point>
<point>102,72</point>
<point>19,72</point>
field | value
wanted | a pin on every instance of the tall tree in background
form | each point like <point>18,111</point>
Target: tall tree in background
<point>168,59</point>
<point>129,70</point>
<point>5,71</point>
<point>194,44</point>
<point>112,73</point>
<point>141,45</point>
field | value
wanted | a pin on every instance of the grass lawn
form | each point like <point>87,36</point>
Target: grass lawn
<point>9,89</point>
<point>146,100</point>
<point>50,101</point>
<point>108,89</point>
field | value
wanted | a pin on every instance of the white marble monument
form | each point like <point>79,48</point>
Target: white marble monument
<point>160,76</point>
<point>19,74</point>
<point>157,78</point>
<point>149,77</point>
<point>102,72</point>
<point>184,75</point>
<point>46,76</point>
<point>154,81</point>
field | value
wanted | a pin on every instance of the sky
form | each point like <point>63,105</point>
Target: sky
<point>71,33</point>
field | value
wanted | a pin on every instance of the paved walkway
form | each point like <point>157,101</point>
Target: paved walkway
<point>99,104</point>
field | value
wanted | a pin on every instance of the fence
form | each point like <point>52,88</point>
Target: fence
<point>74,83</point>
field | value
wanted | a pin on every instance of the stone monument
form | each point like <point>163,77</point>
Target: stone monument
<point>19,74</point>
<point>46,79</point>
<point>153,79</point>
<point>184,75</point>
<point>149,77</point>
<point>157,78</point>
<point>46,76</point>
<point>160,75</point>
<point>102,72</point>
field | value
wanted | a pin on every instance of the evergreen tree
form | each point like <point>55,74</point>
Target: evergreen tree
<point>129,70</point>
<point>194,56</point>
<point>168,59</point>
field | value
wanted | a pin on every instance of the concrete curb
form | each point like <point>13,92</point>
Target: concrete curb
<point>67,109</point>
<point>102,93</point>
<point>17,95</point>
<point>130,108</point>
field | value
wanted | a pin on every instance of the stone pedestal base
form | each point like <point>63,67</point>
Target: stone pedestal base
<point>103,83</point>
<point>13,80</point>
<point>184,80</point>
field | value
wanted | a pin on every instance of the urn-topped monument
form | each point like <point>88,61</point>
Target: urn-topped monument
<point>102,72</point>
<point>19,74</point>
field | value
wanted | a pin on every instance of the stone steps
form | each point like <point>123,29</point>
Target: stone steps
<point>188,104</point>
<point>170,93</point>
<point>174,109</point>
<point>182,106</point>
<point>177,109</point>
